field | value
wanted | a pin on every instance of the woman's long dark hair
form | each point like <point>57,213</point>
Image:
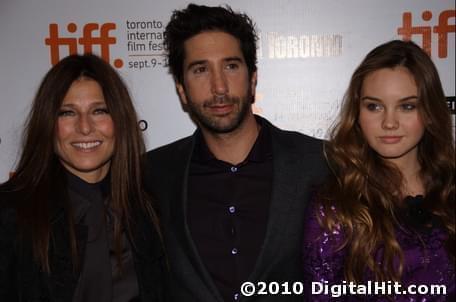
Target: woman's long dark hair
<point>39,178</point>
<point>367,190</point>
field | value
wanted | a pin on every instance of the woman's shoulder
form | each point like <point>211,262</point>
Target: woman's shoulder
<point>316,213</point>
<point>323,254</point>
<point>8,226</point>
<point>8,208</point>
<point>9,198</point>
<point>316,234</point>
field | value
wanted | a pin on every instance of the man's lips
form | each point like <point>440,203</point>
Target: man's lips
<point>220,109</point>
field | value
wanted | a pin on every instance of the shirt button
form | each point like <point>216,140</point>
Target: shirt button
<point>234,169</point>
<point>234,251</point>
<point>232,209</point>
<point>236,296</point>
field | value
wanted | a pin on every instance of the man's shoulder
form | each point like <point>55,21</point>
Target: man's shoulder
<point>295,139</point>
<point>174,148</point>
<point>299,137</point>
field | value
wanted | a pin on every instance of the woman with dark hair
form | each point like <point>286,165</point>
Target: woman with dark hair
<point>388,211</point>
<point>75,221</point>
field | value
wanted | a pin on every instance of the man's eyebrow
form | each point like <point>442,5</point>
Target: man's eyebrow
<point>202,62</point>
<point>238,59</point>
<point>197,62</point>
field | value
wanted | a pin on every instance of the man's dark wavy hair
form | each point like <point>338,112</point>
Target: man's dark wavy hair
<point>195,19</point>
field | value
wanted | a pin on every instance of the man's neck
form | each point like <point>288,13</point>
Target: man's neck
<point>233,147</point>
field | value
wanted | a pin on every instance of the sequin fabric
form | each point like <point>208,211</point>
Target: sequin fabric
<point>425,262</point>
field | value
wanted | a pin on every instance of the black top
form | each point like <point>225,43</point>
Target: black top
<point>415,215</point>
<point>100,279</point>
<point>22,279</point>
<point>228,207</point>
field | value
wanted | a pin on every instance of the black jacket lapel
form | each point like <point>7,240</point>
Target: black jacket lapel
<point>178,214</point>
<point>63,279</point>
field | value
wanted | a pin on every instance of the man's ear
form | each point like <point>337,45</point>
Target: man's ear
<point>253,83</point>
<point>181,91</point>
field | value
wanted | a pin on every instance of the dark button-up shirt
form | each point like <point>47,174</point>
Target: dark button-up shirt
<point>228,207</point>
<point>100,279</point>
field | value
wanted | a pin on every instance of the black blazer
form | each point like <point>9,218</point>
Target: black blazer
<point>297,164</point>
<point>21,279</point>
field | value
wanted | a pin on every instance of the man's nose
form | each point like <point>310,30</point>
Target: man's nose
<point>219,83</point>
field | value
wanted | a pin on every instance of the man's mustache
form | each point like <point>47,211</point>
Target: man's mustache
<point>221,100</point>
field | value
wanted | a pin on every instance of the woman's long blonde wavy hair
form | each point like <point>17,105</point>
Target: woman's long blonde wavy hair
<point>366,190</point>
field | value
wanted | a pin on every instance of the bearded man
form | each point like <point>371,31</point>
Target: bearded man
<point>231,196</point>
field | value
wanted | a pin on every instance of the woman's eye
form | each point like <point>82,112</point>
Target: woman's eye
<point>408,106</point>
<point>101,111</point>
<point>66,113</point>
<point>373,107</point>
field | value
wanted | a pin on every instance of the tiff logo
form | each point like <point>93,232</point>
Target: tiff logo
<point>441,29</point>
<point>88,40</point>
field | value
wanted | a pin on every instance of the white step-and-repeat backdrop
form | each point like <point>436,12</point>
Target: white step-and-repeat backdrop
<point>307,52</point>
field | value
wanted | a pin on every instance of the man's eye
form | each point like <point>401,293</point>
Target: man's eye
<point>232,66</point>
<point>199,69</point>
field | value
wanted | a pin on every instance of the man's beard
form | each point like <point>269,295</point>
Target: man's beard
<point>219,124</point>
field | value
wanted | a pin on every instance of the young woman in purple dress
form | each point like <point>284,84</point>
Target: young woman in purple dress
<point>388,211</point>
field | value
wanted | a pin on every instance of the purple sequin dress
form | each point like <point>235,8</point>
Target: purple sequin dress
<point>425,262</point>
